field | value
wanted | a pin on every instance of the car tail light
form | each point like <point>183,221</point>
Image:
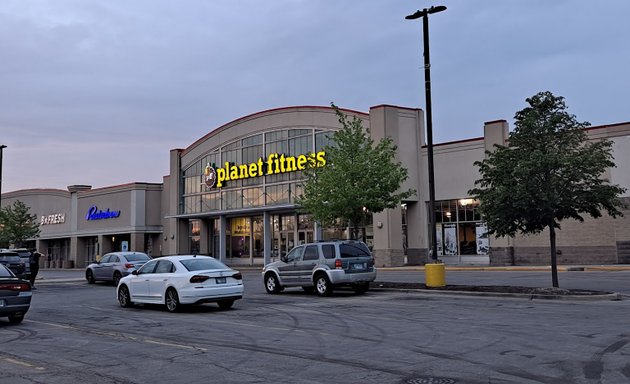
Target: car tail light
<point>20,287</point>
<point>237,276</point>
<point>129,265</point>
<point>338,264</point>
<point>199,278</point>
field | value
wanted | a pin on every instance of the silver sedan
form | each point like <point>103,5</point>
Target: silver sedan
<point>114,266</point>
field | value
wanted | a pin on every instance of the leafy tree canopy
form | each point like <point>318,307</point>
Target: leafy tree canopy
<point>360,178</point>
<point>548,172</point>
<point>17,224</point>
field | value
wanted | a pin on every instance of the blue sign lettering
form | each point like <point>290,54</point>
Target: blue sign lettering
<point>95,214</point>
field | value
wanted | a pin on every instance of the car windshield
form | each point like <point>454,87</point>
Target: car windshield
<point>10,258</point>
<point>137,257</point>
<point>198,264</point>
<point>354,250</point>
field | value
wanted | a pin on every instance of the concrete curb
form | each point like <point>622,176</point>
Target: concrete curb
<point>607,297</point>
<point>564,268</point>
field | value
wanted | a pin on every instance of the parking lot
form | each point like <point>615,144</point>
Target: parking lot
<point>77,332</point>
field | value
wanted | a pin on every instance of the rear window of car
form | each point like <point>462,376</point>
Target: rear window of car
<point>354,250</point>
<point>197,264</point>
<point>137,257</point>
<point>10,258</point>
<point>5,272</point>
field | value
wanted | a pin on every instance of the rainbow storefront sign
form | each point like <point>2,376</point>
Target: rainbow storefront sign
<point>96,214</point>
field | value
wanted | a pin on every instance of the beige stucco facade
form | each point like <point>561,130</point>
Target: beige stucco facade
<point>252,220</point>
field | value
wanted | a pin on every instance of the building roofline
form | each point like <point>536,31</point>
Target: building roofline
<point>261,113</point>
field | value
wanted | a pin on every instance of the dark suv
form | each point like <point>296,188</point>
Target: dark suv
<point>25,255</point>
<point>322,266</point>
<point>13,261</point>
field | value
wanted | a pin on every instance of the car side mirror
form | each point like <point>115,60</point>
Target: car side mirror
<point>284,258</point>
<point>134,272</point>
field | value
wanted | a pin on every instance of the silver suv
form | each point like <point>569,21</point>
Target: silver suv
<point>322,266</point>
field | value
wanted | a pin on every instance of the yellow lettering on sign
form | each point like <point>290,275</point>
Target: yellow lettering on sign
<point>274,164</point>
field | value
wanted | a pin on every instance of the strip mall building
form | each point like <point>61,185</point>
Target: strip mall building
<point>231,194</point>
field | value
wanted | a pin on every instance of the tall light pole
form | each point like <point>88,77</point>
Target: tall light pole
<point>427,88</point>
<point>2,147</point>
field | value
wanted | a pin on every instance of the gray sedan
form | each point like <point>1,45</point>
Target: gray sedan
<point>114,266</point>
<point>15,296</point>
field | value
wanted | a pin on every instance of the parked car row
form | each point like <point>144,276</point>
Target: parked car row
<point>175,281</point>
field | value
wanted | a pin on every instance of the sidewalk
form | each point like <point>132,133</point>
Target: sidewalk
<point>58,275</point>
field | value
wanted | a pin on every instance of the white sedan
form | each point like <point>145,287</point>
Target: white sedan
<point>177,280</point>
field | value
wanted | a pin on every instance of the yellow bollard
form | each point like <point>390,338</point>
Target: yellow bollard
<point>434,275</point>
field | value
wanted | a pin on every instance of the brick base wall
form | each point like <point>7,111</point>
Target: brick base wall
<point>417,256</point>
<point>588,255</point>
<point>623,252</point>
<point>501,256</point>
<point>389,257</point>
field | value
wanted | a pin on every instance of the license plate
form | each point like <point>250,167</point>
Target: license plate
<point>220,280</point>
<point>2,303</point>
<point>358,266</point>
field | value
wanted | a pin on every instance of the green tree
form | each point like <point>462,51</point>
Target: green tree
<point>547,173</point>
<point>17,224</point>
<point>359,178</point>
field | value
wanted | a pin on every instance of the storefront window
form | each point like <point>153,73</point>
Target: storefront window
<point>272,189</point>
<point>194,236</point>
<point>277,194</point>
<point>459,228</point>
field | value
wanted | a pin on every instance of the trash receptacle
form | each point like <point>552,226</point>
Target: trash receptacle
<point>434,275</point>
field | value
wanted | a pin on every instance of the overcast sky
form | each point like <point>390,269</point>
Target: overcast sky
<point>98,92</point>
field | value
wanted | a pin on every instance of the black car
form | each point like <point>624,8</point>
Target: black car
<point>15,296</point>
<point>14,262</point>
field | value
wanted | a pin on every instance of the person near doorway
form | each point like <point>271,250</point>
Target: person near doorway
<point>34,265</point>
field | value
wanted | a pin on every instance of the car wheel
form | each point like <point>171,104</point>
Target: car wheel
<point>309,289</point>
<point>225,304</point>
<point>89,276</point>
<point>124,298</point>
<point>360,288</point>
<point>172,300</point>
<point>323,287</point>
<point>272,285</point>
<point>16,318</point>
<point>117,277</point>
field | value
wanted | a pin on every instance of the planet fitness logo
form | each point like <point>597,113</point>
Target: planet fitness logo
<point>209,176</point>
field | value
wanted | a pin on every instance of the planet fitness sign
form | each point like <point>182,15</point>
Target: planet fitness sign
<point>96,214</point>
<point>273,165</point>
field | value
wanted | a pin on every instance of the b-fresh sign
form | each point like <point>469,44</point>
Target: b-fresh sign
<point>274,164</point>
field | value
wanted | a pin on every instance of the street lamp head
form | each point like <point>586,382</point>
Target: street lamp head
<point>3,146</point>
<point>426,11</point>
<point>437,9</point>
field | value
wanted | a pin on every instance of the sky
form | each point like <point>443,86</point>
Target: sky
<point>98,92</point>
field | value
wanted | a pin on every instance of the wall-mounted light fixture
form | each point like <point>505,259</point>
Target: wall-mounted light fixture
<point>379,224</point>
<point>172,237</point>
<point>165,238</point>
